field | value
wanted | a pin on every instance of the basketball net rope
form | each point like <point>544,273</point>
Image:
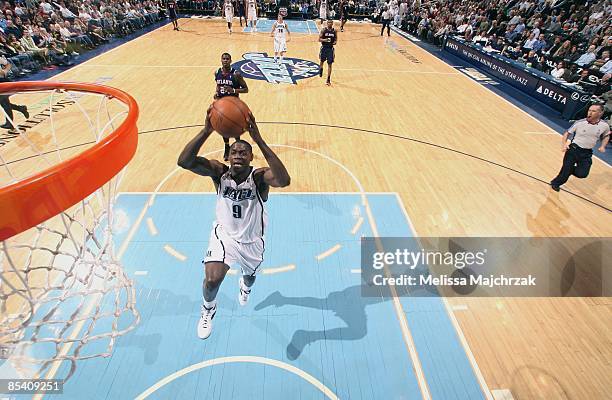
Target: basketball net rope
<point>64,296</point>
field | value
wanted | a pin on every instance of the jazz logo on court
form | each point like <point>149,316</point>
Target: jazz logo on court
<point>260,66</point>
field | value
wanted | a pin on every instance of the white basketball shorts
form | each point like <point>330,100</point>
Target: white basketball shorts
<point>280,45</point>
<point>222,248</point>
<point>252,14</point>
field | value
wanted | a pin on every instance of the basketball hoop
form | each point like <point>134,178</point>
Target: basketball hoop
<point>63,293</point>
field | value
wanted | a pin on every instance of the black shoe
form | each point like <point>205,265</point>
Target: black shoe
<point>6,125</point>
<point>24,111</point>
<point>328,83</point>
<point>555,187</point>
<point>226,152</point>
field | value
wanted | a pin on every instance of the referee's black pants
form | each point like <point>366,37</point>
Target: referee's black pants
<point>577,161</point>
<point>8,107</point>
<point>386,23</point>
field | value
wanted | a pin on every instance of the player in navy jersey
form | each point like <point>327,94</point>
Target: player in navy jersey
<point>229,83</point>
<point>171,5</point>
<point>241,11</point>
<point>328,38</point>
<point>343,9</point>
<point>237,235</point>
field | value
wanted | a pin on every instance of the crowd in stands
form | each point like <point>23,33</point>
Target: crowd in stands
<point>308,8</point>
<point>568,39</point>
<point>41,34</point>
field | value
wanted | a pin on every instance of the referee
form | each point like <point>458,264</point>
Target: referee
<point>386,21</point>
<point>5,102</point>
<point>579,150</point>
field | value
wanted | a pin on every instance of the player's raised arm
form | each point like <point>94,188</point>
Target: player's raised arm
<point>190,160</point>
<point>276,175</point>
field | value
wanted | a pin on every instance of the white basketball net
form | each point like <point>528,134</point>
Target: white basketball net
<point>63,293</point>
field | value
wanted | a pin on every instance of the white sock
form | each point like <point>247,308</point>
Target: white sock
<point>281,59</point>
<point>209,304</point>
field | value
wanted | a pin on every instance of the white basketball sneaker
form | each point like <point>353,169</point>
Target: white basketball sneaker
<point>243,294</point>
<point>205,323</point>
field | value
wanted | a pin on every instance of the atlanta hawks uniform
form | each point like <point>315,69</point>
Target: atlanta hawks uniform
<point>237,236</point>
<point>226,79</point>
<point>327,48</point>
<point>171,5</point>
<point>280,37</point>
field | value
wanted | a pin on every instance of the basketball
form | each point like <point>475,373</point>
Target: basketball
<point>229,116</point>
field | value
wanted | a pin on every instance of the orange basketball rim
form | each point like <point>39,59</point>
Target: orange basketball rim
<point>33,200</point>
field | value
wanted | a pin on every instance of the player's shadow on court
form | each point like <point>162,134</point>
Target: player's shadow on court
<point>361,90</point>
<point>148,344</point>
<point>349,305</point>
<point>318,203</point>
<point>154,305</point>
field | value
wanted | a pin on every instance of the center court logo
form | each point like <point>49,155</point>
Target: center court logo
<point>261,67</point>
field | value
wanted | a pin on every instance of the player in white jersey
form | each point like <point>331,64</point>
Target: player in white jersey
<point>237,236</point>
<point>323,11</point>
<point>228,8</point>
<point>251,14</point>
<point>281,33</point>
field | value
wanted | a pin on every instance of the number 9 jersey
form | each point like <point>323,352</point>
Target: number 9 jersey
<point>240,208</point>
<point>237,236</point>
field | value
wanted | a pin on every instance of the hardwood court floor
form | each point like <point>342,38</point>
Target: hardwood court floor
<point>464,161</point>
